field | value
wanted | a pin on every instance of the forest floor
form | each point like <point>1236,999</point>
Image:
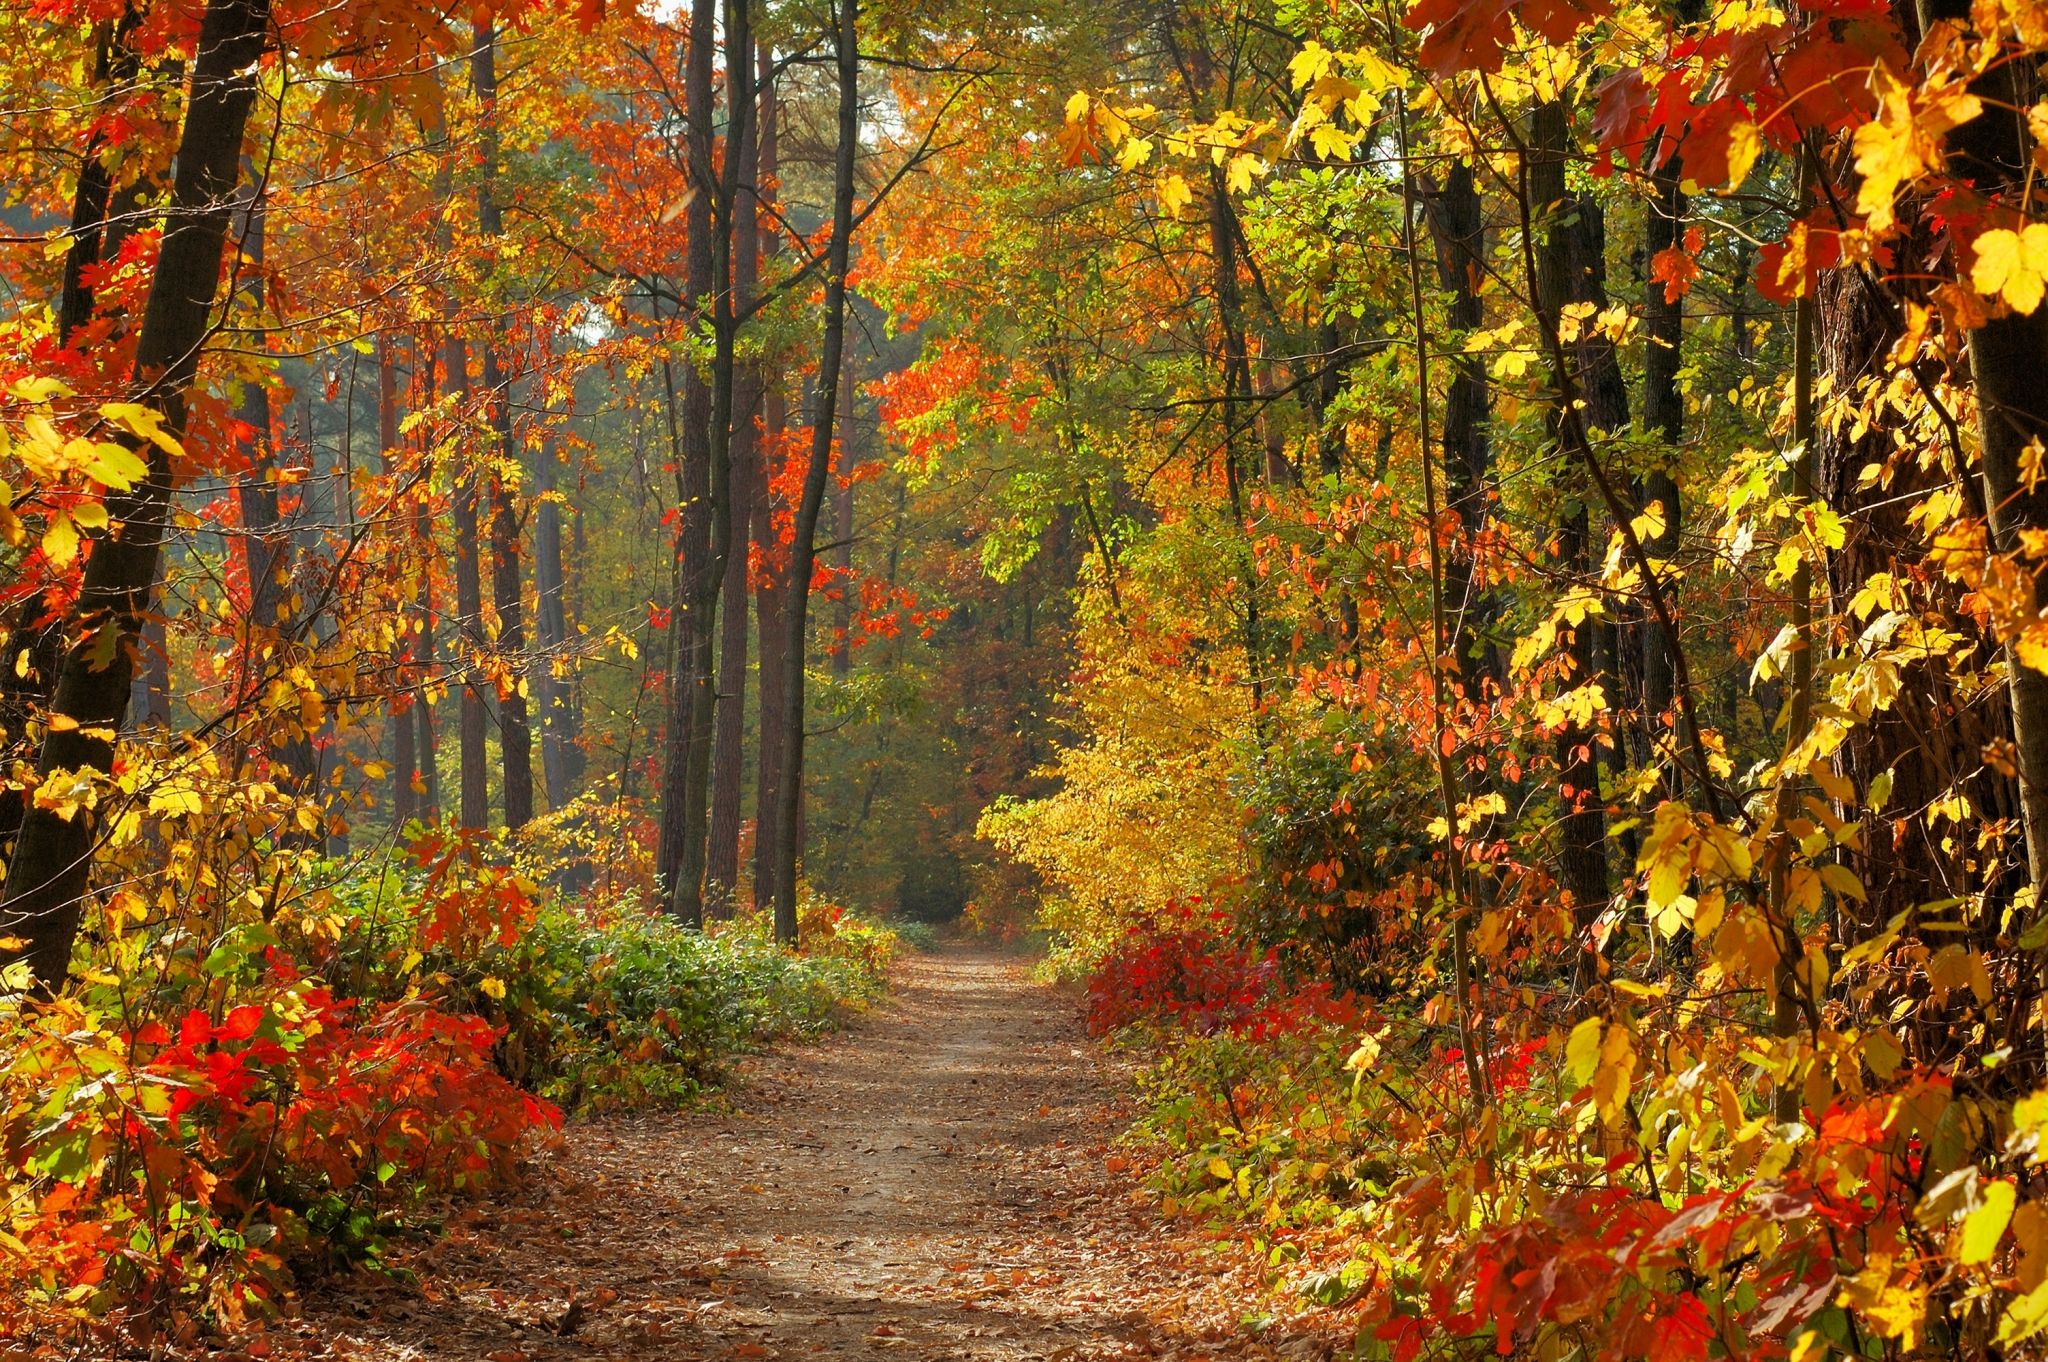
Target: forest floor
<point>940,1181</point>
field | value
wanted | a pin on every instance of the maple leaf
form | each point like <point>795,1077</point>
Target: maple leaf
<point>1462,35</point>
<point>1675,269</point>
<point>2012,265</point>
<point>1904,141</point>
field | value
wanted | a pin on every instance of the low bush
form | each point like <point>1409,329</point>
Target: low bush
<point>205,1116</point>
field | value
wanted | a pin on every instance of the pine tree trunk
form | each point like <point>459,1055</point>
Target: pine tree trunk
<point>48,875</point>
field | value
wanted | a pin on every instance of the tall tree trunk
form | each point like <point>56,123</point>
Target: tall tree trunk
<point>561,755</point>
<point>268,554</point>
<point>515,735</point>
<point>1995,152</point>
<point>34,645</point>
<point>802,552</point>
<point>425,658</point>
<point>48,876</point>
<point>1663,418</point>
<point>1582,821</point>
<point>770,591</point>
<point>687,762</point>
<point>473,801</point>
<point>728,757</point>
<point>404,746</point>
<point>842,526</point>
<point>1458,231</point>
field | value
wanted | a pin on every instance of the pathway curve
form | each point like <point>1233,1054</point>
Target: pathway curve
<point>936,1183</point>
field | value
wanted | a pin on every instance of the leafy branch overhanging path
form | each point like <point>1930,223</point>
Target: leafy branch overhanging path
<point>937,1183</point>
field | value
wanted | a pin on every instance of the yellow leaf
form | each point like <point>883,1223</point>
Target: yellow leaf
<point>1309,64</point>
<point>142,423</point>
<point>1582,1050</point>
<point>60,539</point>
<point>1134,153</point>
<point>1985,1226</point>
<point>1077,106</point>
<point>2012,265</point>
<point>116,466</point>
<point>492,987</point>
<point>1174,195</point>
<point>1241,171</point>
<point>1745,144</point>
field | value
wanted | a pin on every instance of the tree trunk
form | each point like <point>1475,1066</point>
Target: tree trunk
<point>473,800</point>
<point>1664,418</point>
<point>687,764</point>
<point>802,552</point>
<point>728,758</point>
<point>515,735</point>
<point>1582,824</point>
<point>404,745</point>
<point>561,753</point>
<point>48,876</point>
<point>770,591</point>
<point>1458,230</point>
<point>1995,152</point>
<point>268,556</point>
<point>842,528</point>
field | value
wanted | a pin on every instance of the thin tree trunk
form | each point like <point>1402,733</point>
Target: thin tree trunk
<point>473,719</point>
<point>770,592</point>
<point>842,527</point>
<point>515,735</point>
<point>268,555</point>
<point>48,875</point>
<point>404,745</point>
<point>1664,418</point>
<point>802,551</point>
<point>1458,231</point>
<point>561,757</point>
<point>1583,821</point>
<point>687,764</point>
<point>728,758</point>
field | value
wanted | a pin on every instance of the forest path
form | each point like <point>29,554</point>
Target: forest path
<point>934,1183</point>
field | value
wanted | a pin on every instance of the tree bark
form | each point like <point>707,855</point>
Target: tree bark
<point>686,767</point>
<point>48,876</point>
<point>403,738</point>
<point>561,753</point>
<point>728,758</point>
<point>1582,824</point>
<point>842,528</point>
<point>268,555</point>
<point>1663,417</point>
<point>473,801</point>
<point>770,591</point>
<point>515,734</point>
<point>1458,230</point>
<point>1994,151</point>
<point>802,552</point>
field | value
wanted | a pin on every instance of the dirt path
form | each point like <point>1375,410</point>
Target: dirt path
<point>934,1184</point>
